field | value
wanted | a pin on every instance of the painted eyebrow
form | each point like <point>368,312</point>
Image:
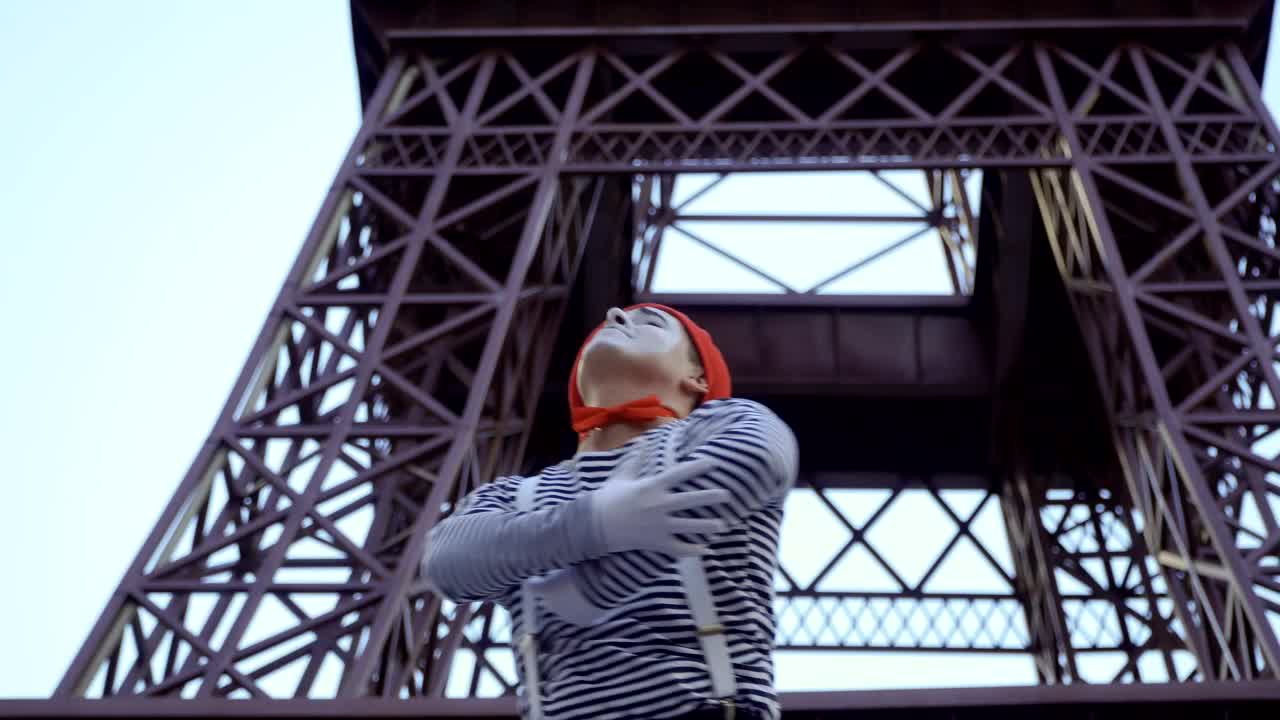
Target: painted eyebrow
<point>658,314</point>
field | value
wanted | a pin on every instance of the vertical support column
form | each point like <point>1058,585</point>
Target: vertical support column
<point>1021,499</point>
<point>1163,444</point>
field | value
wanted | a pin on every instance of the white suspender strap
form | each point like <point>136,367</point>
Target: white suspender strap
<point>711,635</point>
<point>528,644</point>
<point>715,646</point>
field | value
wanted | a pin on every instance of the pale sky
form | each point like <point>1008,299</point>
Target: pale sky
<point>163,162</point>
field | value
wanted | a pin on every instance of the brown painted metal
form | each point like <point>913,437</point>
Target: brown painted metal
<point>1115,605</point>
<point>404,360</point>
<point>1178,323</point>
<point>1208,700</point>
<point>848,351</point>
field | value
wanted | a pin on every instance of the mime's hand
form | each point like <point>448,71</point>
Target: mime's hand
<point>633,513</point>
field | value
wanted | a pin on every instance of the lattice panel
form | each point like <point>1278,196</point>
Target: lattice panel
<point>749,111</point>
<point>975,624</point>
<point>1119,616</point>
<point>896,568</point>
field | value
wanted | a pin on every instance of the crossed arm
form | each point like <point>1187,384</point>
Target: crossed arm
<point>488,546</point>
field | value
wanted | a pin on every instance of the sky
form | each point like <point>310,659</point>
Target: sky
<point>163,162</point>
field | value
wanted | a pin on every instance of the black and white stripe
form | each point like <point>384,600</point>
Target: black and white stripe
<point>643,659</point>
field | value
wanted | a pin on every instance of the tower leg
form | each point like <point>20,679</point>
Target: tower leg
<point>399,368</point>
<point>1178,320</point>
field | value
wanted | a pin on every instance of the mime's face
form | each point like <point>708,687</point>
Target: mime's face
<point>645,345</point>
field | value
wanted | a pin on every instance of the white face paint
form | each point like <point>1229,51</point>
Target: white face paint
<point>643,344</point>
<point>642,331</point>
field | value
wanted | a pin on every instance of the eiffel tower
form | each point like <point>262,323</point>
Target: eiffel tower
<point>1098,184</point>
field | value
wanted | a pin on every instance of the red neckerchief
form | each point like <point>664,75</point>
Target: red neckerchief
<point>586,419</point>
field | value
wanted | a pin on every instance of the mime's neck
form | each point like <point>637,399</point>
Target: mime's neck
<point>614,436</point>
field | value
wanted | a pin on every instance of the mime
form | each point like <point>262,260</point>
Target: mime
<point>639,572</point>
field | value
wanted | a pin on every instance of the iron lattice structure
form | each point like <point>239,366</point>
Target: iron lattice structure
<point>405,359</point>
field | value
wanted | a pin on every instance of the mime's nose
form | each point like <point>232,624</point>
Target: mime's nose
<point>616,315</point>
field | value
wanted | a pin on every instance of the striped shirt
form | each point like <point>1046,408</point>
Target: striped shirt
<point>641,658</point>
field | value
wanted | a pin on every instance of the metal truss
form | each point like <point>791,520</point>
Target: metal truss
<point>1096,605</point>
<point>402,361</point>
<point>1173,269</point>
<point>949,217</point>
<point>758,110</point>
<point>860,592</point>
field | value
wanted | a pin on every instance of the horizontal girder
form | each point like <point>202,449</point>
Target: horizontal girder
<point>1209,701</point>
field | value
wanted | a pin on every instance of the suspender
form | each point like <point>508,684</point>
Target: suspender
<point>697,591</point>
<point>528,642</point>
<point>711,636</point>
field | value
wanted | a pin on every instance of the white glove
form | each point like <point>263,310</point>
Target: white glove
<point>559,593</point>
<point>633,513</point>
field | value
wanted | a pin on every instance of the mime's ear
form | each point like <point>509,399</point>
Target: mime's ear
<point>695,384</point>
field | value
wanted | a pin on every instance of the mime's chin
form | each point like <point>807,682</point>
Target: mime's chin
<point>607,356</point>
<point>612,342</point>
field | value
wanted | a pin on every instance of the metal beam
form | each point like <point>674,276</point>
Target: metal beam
<point>1209,700</point>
